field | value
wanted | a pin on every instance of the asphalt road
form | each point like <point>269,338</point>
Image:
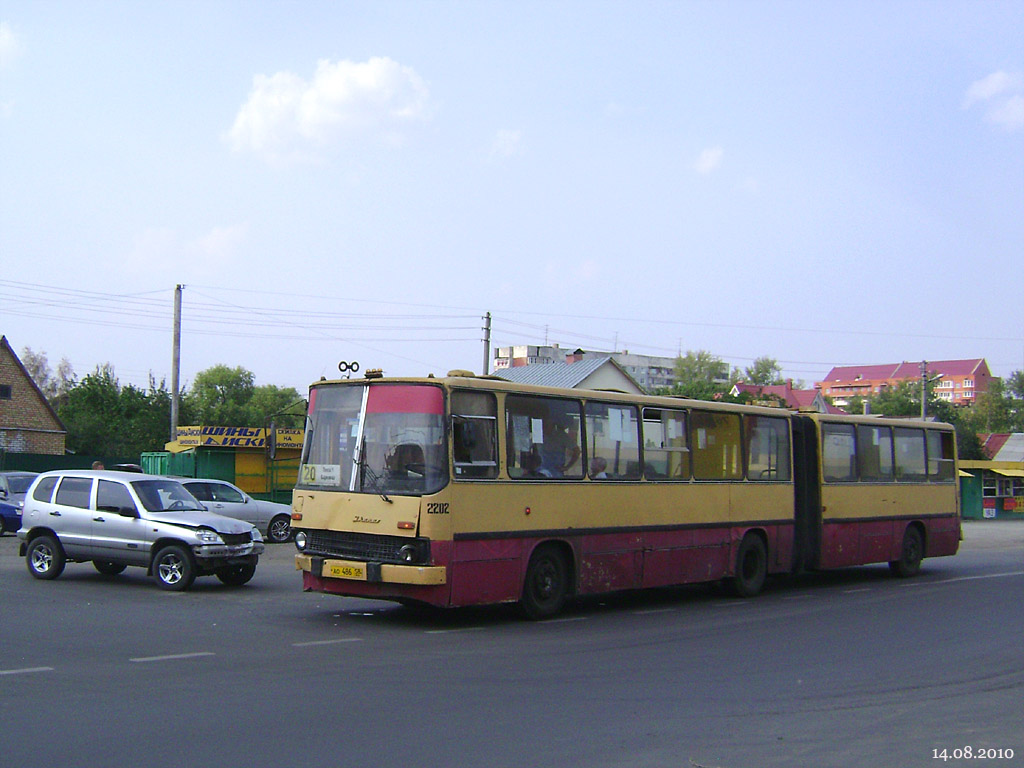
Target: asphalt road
<point>846,669</point>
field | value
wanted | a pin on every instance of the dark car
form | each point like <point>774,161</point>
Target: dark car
<point>13,485</point>
<point>10,517</point>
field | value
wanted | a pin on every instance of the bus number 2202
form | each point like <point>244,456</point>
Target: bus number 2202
<point>437,508</point>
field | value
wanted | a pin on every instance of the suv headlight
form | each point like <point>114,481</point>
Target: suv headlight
<point>207,536</point>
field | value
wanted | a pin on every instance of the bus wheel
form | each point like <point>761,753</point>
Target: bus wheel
<point>911,554</point>
<point>547,584</point>
<point>751,566</point>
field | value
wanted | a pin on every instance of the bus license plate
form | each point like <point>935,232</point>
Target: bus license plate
<point>348,572</point>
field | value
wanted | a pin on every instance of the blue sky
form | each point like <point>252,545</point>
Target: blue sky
<point>823,183</point>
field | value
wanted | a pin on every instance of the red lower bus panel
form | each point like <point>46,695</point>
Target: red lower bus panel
<point>840,545</point>
<point>880,541</point>
<point>943,537</point>
<point>433,595</point>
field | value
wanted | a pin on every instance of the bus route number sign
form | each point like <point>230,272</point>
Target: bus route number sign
<point>320,474</point>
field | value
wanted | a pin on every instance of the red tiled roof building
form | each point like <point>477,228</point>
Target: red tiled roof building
<point>960,383</point>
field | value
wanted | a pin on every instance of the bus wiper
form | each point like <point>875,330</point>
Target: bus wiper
<point>375,482</point>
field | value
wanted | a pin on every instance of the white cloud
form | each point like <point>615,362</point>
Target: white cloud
<point>507,143</point>
<point>1002,95</point>
<point>1009,113</point>
<point>220,242</point>
<point>10,46</point>
<point>286,115</point>
<point>709,160</point>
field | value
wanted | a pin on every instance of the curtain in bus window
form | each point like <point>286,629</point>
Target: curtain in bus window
<point>543,435</point>
<point>767,448</point>
<point>666,455</point>
<point>716,445</point>
<point>613,442</point>
<point>940,455</point>
<point>838,453</point>
<point>874,453</point>
<point>474,434</point>
<point>910,462</point>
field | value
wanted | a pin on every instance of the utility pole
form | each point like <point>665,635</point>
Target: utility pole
<point>175,361</point>
<point>924,390</point>
<point>487,345</point>
<point>925,381</point>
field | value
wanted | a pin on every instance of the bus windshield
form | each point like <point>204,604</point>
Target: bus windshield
<point>383,439</point>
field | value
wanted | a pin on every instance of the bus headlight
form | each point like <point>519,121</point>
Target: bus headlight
<point>300,541</point>
<point>408,553</point>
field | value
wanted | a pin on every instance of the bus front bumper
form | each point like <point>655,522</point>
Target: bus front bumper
<point>355,570</point>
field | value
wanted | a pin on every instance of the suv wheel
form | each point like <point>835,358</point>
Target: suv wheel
<point>173,568</point>
<point>45,557</point>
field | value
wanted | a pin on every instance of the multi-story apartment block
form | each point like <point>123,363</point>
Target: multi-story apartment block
<point>959,382</point>
<point>649,371</point>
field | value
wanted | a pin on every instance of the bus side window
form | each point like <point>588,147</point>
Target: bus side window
<point>666,454</point>
<point>838,453</point>
<point>767,441</point>
<point>910,463</point>
<point>715,442</point>
<point>543,437</point>
<point>874,453</point>
<point>474,435</point>
<point>940,456</point>
<point>613,445</point>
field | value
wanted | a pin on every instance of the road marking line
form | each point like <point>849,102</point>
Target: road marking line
<point>963,578</point>
<point>327,642</point>
<point>452,631</point>
<point>25,671</point>
<point>173,656</point>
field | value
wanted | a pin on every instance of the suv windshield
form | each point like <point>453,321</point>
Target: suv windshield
<point>165,496</point>
<point>385,438</point>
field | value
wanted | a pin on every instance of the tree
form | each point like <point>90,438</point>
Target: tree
<point>228,397</point>
<point>220,395</point>
<point>104,418</point>
<point>700,366</point>
<point>269,400</point>
<point>764,372</point>
<point>53,385</point>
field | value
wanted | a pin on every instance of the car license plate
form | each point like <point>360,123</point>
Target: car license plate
<point>348,572</point>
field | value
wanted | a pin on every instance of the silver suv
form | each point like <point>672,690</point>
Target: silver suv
<point>117,519</point>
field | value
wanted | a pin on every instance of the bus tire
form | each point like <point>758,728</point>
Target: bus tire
<point>546,587</point>
<point>751,566</point>
<point>911,554</point>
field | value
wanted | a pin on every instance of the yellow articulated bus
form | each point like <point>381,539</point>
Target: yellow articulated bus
<point>471,490</point>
